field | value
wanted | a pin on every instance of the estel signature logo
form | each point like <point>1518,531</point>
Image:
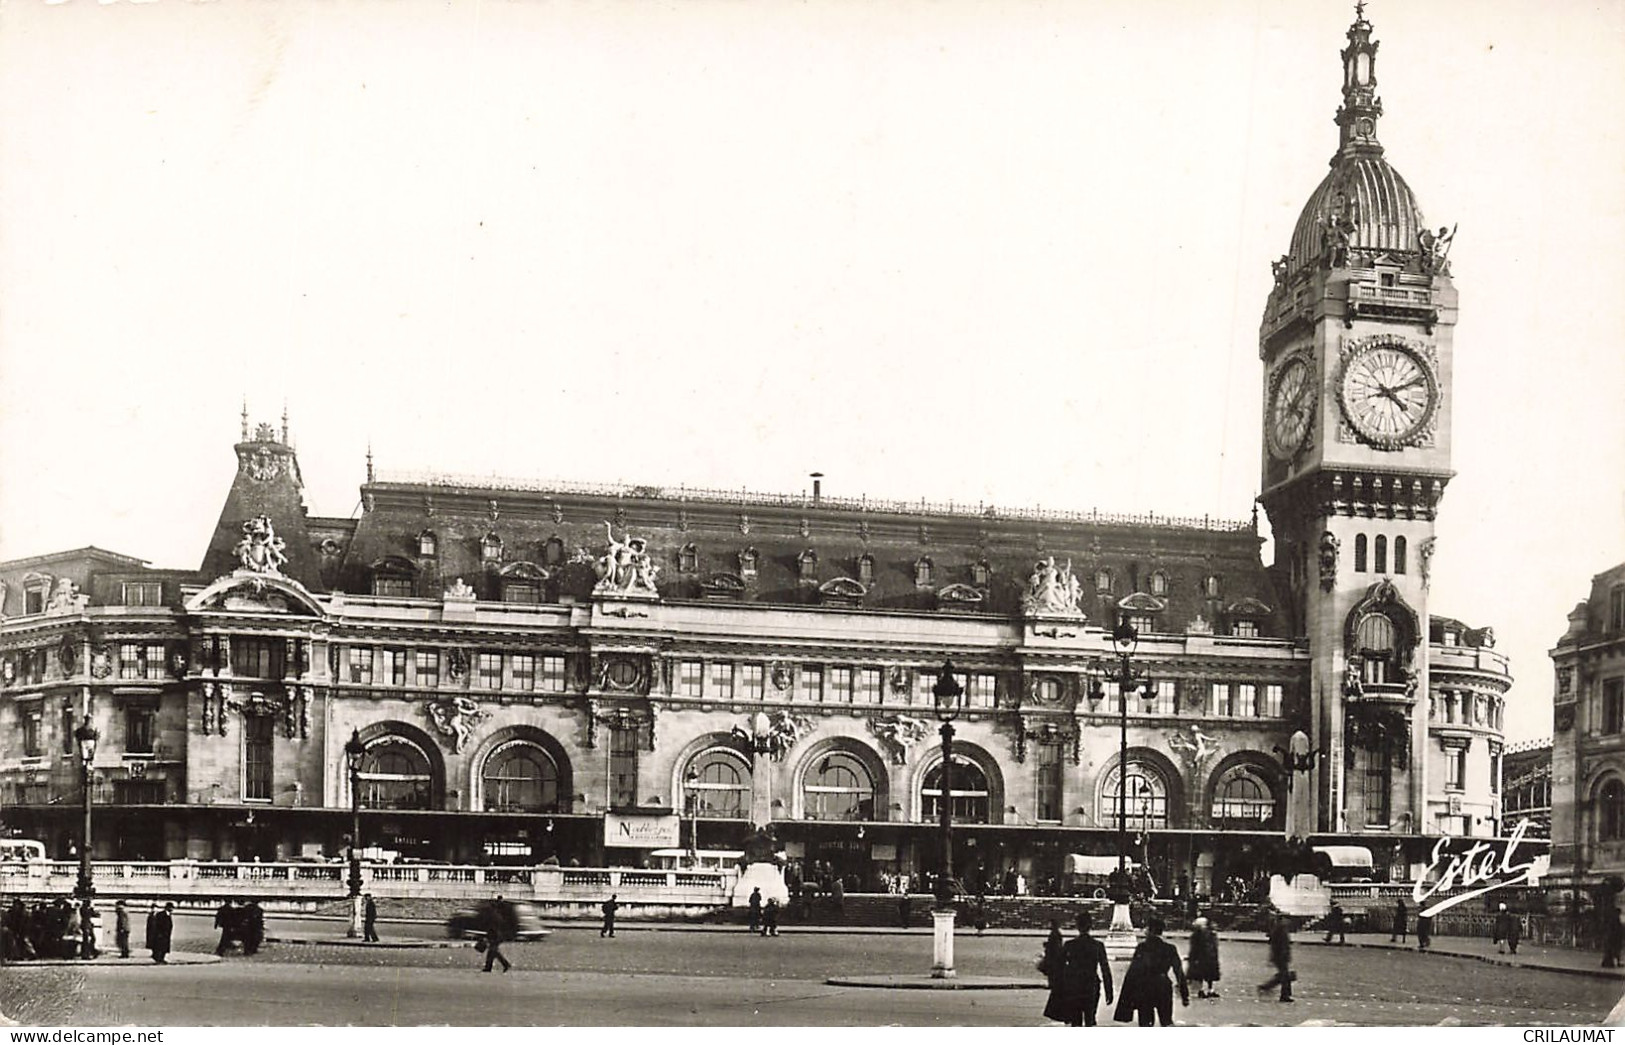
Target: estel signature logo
<point>1479,864</point>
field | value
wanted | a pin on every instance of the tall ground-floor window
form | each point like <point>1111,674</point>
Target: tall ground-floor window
<point>1378,783</point>
<point>721,785</point>
<point>257,733</point>
<point>967,787</point>
<point>1049,781</point>
<point>623,765</point>
<point>521,778</point>
<point>839,788</point>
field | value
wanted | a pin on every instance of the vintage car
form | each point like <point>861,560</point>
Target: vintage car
<point>519,920</point>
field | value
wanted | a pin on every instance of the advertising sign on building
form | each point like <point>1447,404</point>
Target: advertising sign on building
<point>641,832</point>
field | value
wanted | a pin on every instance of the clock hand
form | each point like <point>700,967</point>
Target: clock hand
<point>1408,384</point>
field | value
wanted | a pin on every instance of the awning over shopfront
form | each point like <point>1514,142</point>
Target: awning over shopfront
<point>1350,856</point>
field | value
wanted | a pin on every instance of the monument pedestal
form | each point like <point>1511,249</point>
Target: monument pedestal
<point>766,876</point>
<point>942,944</point>
<point>1120,940</point>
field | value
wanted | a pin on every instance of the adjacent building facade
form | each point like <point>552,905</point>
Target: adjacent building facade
<point>1588,740</point>
<point>542,670</point>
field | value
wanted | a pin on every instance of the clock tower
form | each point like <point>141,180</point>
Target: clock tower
<point>1356,347</point>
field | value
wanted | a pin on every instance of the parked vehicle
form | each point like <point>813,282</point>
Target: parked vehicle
<point>519,918</point>
<point>17,853</point>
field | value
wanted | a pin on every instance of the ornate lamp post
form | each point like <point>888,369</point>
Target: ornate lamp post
<point>691,778</point>
<point>947,693</point>
<point>86,736</point>
<point>1120,937</point>
<point>354,752</point>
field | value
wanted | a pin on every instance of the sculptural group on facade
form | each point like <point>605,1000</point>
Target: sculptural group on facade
<point>260,550</point>
<point>1329,544</point>
<point>626,568</point>
<point>64,595</point>
<point>1197,749</point>
<point>455,717</point>
<point>1435,248</point>
<point>1053,589</point>
<point>772,735</point>
<point>898,733</point>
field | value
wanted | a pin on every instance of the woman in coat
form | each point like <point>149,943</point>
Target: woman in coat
<point>1203,963</point>
<point>160,927</point>
<point>1146,990</point>
<point>1058,1007</point>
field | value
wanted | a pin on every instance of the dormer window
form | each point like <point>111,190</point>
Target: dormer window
<point>523,583</point>
<point>553,551</point>
<point>1159,584</point>
<point>688,558</point>
<point>922,572</point>
<point>866,569</point>
<point>394,578</point>
<point>427,544</point>
<point>1103,582</point>
<point>36,593</point>
<point>807,566</point>
<point>491,548</point>
<point>980,573</point>
<point>1211,586</point>
<point>748,560</point>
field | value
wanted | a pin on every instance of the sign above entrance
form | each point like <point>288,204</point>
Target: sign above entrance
<point>641,832</point>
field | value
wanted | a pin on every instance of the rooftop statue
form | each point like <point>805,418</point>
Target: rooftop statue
<point>1053,589</point>
<point>626,568</point>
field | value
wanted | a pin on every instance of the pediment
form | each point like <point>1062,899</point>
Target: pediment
<point>524,570</point>
<point>722,586</point>
<point>1140,602</point>
<point>960,595</point>
<point>1248,607</point>
<point>247,591</point>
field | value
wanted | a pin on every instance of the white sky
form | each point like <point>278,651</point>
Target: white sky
<point>1009,252</point>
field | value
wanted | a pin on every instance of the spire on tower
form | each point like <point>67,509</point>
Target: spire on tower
<point>285,423</point>
<point>1357,118</point>
<point>245,419</point>
<point>369,460</point>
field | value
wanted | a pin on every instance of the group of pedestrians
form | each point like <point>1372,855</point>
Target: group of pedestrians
<point>64,930</point>
<point>764,917</point>
<point>240,923</point>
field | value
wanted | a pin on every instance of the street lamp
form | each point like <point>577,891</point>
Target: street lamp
<point>86,736</point>
<point>691,778</point>
<point>354,752</point>
<point>1125,639</point>
<point>947,692</point>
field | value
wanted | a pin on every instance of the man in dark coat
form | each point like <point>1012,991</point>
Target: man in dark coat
<point>1399,934</point>
<point>1507,931</point>
<point>609,909</point>
<point>251,926</point>
<point>369,919</point>
<point>1202,965</point>
<point>1424,930</point>
<point>496,932</point>
<point>1147,991</point>
<point>755,909</point>
<point>160,929</point>
<point>1336,925</point>
<point>225,919</point>
<point>121,928</point>
<point>1280,957</point>
<point>1084,970</point>
<point>770,917</point>
<point>905,909</point>
<point>87,930</point>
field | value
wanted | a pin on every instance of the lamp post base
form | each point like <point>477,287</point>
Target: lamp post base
<point>1120,940</point>
<point>355,917</point>
<point>942,943</point>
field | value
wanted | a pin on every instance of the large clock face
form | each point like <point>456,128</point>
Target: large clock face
<point>1389,394</point>
<point>1292,404</point>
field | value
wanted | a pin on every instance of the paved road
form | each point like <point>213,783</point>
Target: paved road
<point>653,978</point>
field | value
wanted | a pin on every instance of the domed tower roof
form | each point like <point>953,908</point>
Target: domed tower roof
<point>1362,204</point>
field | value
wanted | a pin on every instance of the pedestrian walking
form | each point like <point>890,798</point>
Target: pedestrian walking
<point>770,917</point>
<point>1613,936</point>
<point>369,919</point>
<point>1336,924</point>
<point>1202,966</point>
<point>251,926</point>
<point>160,930</point>
<point>1281,958</point>
<point>1084,971</point>
<point>1399,934</point>
<point>1053,967</point>
<point>1147,991</point>
<point>225,919</point>
<point>609,909</point>
<point>756,909</point>
<point>1424,930</point>
<point>1507,931</point>
<point>121,929</point>
<point>87,930</point>
<point>837,895</point>
<point>496,933</point>
<point>905,908</point>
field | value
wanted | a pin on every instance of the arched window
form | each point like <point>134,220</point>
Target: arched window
<point>808,563</point>
<point>520,778</point>
<point>491,548</point>
<point>553,551</point>
<point>395,774</point>
<point>748,560</point>
<point>980,573</point>
<point>1374,639</point>
<point>1399,555</point>
<point>1211,586</point>
<point>1242,794</point>
<point>1103,581</point>
<point>1159,584</point>
<point>721,785</point>
<point>1147,805</point>
<point>838,787</point>
<point>393,577</point>
<point>968,790</point>
<point>1611,811</point>
<point>1380,565</point>
<point>922,572</point>
<point>427,544</point>
<point>688,558</point>
<point>1359,553</point>
<point>866,569</point>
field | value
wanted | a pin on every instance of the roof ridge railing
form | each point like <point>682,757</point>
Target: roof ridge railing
<point>749,498</point>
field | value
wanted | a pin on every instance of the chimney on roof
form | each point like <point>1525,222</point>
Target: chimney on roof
<point>818,486</point>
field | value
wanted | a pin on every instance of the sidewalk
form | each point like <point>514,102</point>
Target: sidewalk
<point>138,956</point>
<point>1529,956</point>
